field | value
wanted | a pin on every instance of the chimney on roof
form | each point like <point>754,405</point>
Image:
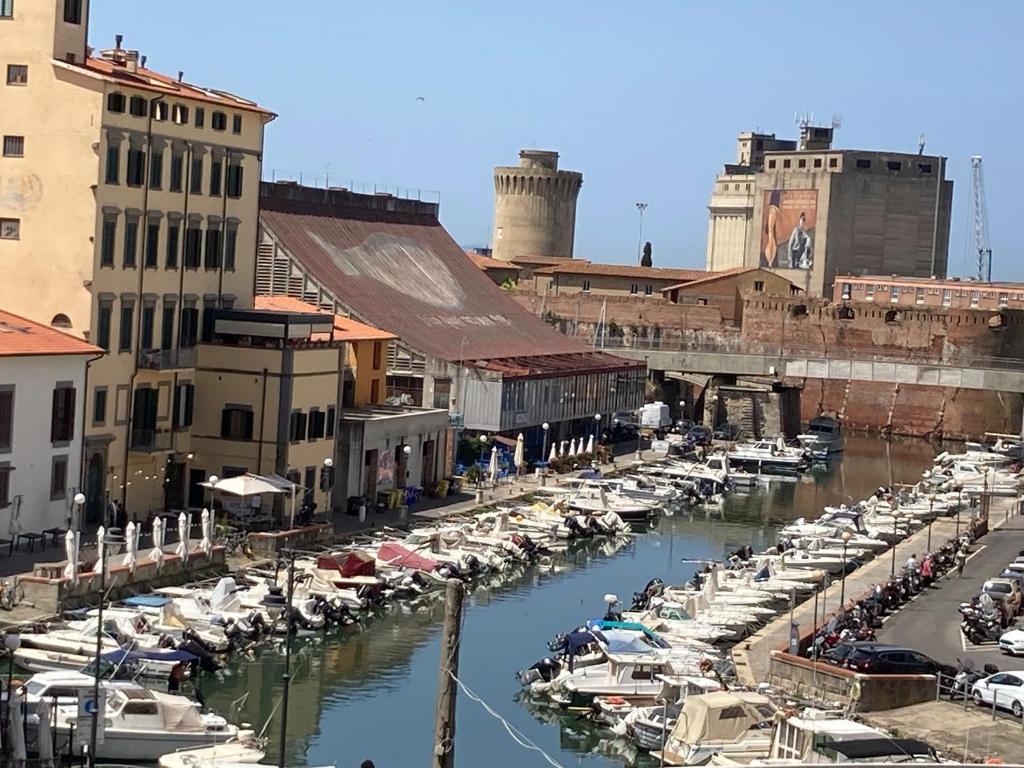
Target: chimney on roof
<point>118,39</point>
<point>142,62</point>
<point>131,61</point>
<point>181,74</point>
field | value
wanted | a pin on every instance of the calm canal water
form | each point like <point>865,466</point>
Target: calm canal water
<point>370,693</point>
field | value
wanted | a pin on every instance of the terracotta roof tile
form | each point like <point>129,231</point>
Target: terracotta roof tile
<point>345,328</point>
<point>22,337</point>
<point>488,262</point>
<point>710,277</point>
<point>623,270</point>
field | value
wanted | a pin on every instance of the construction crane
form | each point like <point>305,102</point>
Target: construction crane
<point>982,247</point>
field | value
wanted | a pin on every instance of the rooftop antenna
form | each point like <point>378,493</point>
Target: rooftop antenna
<point>920,144</point>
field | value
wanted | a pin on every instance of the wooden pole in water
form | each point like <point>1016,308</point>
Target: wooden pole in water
<point>448,669</point>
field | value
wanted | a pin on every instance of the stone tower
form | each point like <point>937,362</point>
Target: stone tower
<point>535,207</point>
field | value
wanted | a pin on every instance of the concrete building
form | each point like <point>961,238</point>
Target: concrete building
<point>128,205</point>
<point>729,289</point>
<point>535,207</point>
<point>609,279</point>
<point>916,292</point>
<point>464,344</point>
<point>42,390</point>
<point>811,212</point>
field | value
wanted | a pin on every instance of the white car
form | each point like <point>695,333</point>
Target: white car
<point>1006,689</point>
<point>1012,642</point>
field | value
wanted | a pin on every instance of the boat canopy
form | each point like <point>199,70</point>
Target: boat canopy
<point>118,657</point>
<point>146,601</point>
<point>863,749</point>
<point>397,555</point>
<point>721,716</point>
<point>178,713</point>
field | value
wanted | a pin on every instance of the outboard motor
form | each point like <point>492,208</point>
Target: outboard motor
<point>545,670</point>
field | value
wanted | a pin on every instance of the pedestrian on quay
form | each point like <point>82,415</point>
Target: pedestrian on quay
<point>961,561</point>
<point>926,570</point>
<point>911,564</point>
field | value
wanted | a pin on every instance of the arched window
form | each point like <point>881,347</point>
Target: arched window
<point>845,313</point>
<point>892,316</point>
<point>798,310</point>
<point>60,320</point>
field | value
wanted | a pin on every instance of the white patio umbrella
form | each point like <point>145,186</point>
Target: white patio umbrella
<point>72,540</point>
<point>207,542</point>
<point>590,445</point>
<point>561,449</point>
<point>245,485</point>
<point>101,551</point>
<point>14,526</point>
<point>44,735</point>
<point>519,459</point>
<point>184,524</point>
<point>492,470</point>
<point>572,447</point>
<point>131,546</point>
<point>16,735</point>
<point>554,452</point>
<point>157,553</point>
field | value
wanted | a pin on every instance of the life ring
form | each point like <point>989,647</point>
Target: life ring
<point>615,701</point>
<point>993,761</point>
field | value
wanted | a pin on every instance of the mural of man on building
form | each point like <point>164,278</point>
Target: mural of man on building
<point>801,254</point>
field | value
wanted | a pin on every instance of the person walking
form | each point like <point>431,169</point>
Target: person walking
<point>961,561</point>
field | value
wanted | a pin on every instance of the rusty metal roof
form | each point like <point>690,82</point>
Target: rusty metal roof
<point>394,266</point>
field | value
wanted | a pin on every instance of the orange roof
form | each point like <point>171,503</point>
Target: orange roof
<point>710,277</point>
<point>148,80</point>
<point>345,328</point>
<point>537,259</point>
<point>623,270</point>
<point>488,262</point>
<point>22,337</point>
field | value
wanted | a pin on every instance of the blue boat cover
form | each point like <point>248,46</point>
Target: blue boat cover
<point>147,601</point>
<point>117,657</point>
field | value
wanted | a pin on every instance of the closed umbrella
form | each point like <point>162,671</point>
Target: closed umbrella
<point>572,447</point>
<point>492,470</point>
<point>157,553</point>
<point>14,526</point>
<point>71,542</point>
<point>554,452</point>
<point>101,551</point>
<point>184,523</point>
<point>561,449</point>
<point>207,542</point>
<point>131,546</point>
<point>16,735</point>
<point>590,445</point>
<point>44,735</point>
<point>519,459</point>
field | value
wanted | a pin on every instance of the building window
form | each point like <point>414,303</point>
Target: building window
<point>375,392</point>
<point>156,168</point>
<point>863,163</point>
<point>648,290</point>
<point>236,423</point>
<point>317,425</point>
<point>213,243</point>
<point>759,286</point>
<point>924,167</point>
<point>200,117</point>
<point>787,163</point>
<point>167,326</point>
<point>73,11</point>
<point>124,343</point>
<point>131,238</point>
<point>10,229</point>
<point>378,349</point>
<point>189,327</point>
<point>184,399</point>
<point>297,427</point>
<point>946,295</point>
<point>846,290</point>
<point>219,121</point>
<point>177,163</point>
<point>152,243</point>
<point>136,167</point>
<point>115,102</point>
<point>230,245</point>
<point>179,114</point>
<point>17,74</point>
<point>801,163</point>
<point>331,420</point>
<point>103,322</point>
<point>1004,299</point>
<point>196,179</point>
<point>62,416</point>
<point>60,320</point>
<point>160,109</point>
<point>586,286</point>
<point>193,246</point>
<point>6,418</point>
<point>137,106</point>
<point>6,11</point>
<point>634,289</point>
<point>107,239</point>
<point>894,165</point>
<point>14,146</point>
<point>919,298</point>
<point>173,235</point>
<point>817,162</point>
<point>147,326</point>
<point>59,478</point>
<point>236,124</point>
<point>113,169</point>
<point>869,291</point>
<point>99,406</point>
<point>234,182</point>
<point>833,162</point>
<point>216,169</point>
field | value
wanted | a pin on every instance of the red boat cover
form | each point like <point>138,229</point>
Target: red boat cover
<point>395,554</point>
<point>357,564</point>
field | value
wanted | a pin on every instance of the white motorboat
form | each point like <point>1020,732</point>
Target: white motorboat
<point>800,559</point>
<point>596,501</point>
<point>246,749</point>
<point>734,722</point>
<point>823,437</point>
<point>767,455</point>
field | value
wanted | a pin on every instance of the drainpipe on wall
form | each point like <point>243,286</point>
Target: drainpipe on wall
<point>85,409</point>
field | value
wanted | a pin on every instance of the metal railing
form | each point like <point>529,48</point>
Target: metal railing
<point>168,359</point>
<point>1002,704</point>
<point>787,351</point>
<point>327,180</point>
<point>151,440</point>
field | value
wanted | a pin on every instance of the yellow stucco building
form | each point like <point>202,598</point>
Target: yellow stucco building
<point>128,212</point>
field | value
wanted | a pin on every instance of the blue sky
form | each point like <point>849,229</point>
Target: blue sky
<point>644,98</point>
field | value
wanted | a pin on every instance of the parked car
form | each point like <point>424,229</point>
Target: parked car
<point>1005,689</point>
<point>1013,575</point>
<point>727,432</point>
<point>1012,642</point>
<point>699,435</point>
<point>684,425</point>
<point>1006,591</point>
<point>879,659</point>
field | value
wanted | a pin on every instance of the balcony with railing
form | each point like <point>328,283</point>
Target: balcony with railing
<point>168,359</point>
<point>147,440</point>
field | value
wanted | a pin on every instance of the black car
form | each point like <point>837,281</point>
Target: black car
<point>879,659</point>
<point>699,435</point>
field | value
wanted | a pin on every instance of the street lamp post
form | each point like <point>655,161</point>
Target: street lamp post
<point>842,587</point>
<point>75,523</point>
<point>101,553</point>
<point>12,642</point>
<point>327,482</point>
<point>483,447</point>
<point>959,503</point>
<point>640,238</point>
<point>544,453</point>
<point>895,533</point>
